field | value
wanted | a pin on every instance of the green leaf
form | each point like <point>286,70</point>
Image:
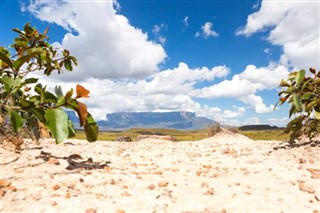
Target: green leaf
<point>72,132</point>
<point>299,77</point>
<point>16,121</point>
<point>297,102</point>
<point>317,114</point>
<point>25,58</point>
<point>39,113</point>
<point>91,129</point>
<point>6,59</point>
<point>57,123</point>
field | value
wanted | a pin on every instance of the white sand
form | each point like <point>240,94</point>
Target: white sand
<point>226,173</point>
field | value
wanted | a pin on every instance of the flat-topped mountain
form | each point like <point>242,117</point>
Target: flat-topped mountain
<point>172,120</point>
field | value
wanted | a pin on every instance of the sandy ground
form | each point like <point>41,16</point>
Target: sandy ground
<point>225,173</point>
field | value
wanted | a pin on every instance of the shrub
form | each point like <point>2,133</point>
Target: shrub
<point>303,94</point>
<point>214,129</point>
<point>25,103</point>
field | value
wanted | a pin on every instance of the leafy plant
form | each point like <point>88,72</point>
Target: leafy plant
<point>303,94</point>
<point>25,102</point>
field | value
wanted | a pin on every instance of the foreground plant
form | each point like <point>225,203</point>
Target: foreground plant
<point>25,103</point>
<point>303,94</point>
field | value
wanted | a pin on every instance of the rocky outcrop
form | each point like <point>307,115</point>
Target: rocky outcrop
<point>124,139</point>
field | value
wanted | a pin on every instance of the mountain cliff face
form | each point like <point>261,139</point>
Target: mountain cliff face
<point>173,120</point>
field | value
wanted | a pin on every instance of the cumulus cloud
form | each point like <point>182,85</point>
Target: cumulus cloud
<point>293,25</point>
<point>165,91</point>
<point>207,31</point>
<point>105,43</point>
<point>245,85</point>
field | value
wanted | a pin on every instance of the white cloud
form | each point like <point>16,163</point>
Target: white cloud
<point>165,91</point>
<point>106,44</point>
<point>245,85</point>
<point>279,122</point>
<point>207,31</point>
<point>157,32</point>
<point>294,25</point>
<point>186,21</point>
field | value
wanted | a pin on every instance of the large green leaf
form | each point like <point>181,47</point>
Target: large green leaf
<point>57,123</point>
<point>299,77</point>
<point>91,129</point>
<point>25,58</point>
<point>16,121</point>
<point>297,102</point>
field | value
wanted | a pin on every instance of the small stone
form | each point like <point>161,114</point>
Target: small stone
<point>36,197</point>
<point>311,161</point>
<point>300,167</point>
<point>204,185</point>
<point>12,188</point>
<point>301,160</point>
<point>163,183</point>
<point>2,192</point>
<point>151,187</point>
<point>125,193</point>
<point>68,195</point>
<point>91,210</point>
<point>209,192</point>
<point>53,161</point>
<point>317,196</point>
<point>305,188</point>
<point>207,166</point>
<point>81,180</point>
<point>4,183</point>
<point>112,182</point>
<point>158,173</point>
<point>19,170</point>
<point>56,187</point>
<point>120,211</point>
<point>54,203</point>
<point>198,173</point>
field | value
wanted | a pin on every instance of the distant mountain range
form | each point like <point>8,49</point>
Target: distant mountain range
<point>172,120</point>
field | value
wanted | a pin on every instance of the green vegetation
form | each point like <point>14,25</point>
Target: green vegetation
<point>185,135</point>
<point>24,105</point>
<point>180,135</point>
<point>303,94</point>
<point>266,135</point>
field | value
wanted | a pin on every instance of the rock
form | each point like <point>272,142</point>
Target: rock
<point>53,161</point>
<point>210,191</point>
<point>161,137</point>
<point>124,139</point>
<point>120,211</point>
<point>317,196</point>
<point>163,183</point>
<point>151,187</point>
<point>91,210</point>
<point>305,188</point>
<point>4,183</point>
<point>301,160</point>
<point>56,187</point>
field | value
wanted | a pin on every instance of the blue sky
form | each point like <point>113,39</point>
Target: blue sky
<point>220,59</point>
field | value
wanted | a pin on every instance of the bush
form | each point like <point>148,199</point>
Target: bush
<point>23,110</point>
<point>214,129</point>
<point>303,94</point>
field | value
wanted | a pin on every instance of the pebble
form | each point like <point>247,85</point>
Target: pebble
<point>163,183</point>
<point>151,187</point>
<point>56,187</point>
<point>91,210</point>
<point>120,211</point>
<point>209,192</point>
<point>53,161</point>
<point>302,160</point>
<point>305,188</point>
